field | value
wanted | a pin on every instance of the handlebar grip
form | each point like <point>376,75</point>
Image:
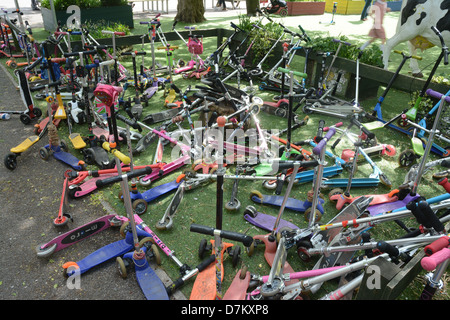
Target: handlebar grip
<point>144,22</point>
<point>99,47</point>
<point>231,235</point>
<point>437,245</point>
<point>130,174</point>
<point>180,281</point>
<point>124,158</point>
<point>355,122</point>
<point>295,73</point>
<point>383,246</point>
<point>437,95</point>
<point>342,41</point>
<point>77,53</point>
<point>174,24</point>
<point>280,165</point>
<point>137,53</point>
<point>34,64</point>
<point>189,28</point>
<point>430,263</point>
<point>418,214</point>
<point>174,87</point>
<point>318,148</point>
<point>42,86</point>
<point>75,33</point>
<point>131,123</point>
<point>431,216</point>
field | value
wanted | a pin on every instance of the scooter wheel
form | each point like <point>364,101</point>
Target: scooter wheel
<point>251,211</point>
<point>37,112</point>
<point>140,206</point>
<point>166,224</point>
<point>60,222</point>
<point>236,254</point>
<point>122,267</point>
<point>407,158</point>
<point>303,254</point>
<point>145,183</point>
<point>256,193</point>
<point>43,153</point>
<point>10,161</point>
<point>283,12</point>
<point>202,248</point>
<point>334,192</point>
<point>318,214</point>
<point>46,252</point>
<point>233,205</point>
<point>306,110</point>
<point>269,185</point>
<point>24,118</point>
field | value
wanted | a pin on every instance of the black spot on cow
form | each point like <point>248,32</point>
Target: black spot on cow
<point>410,9</point>
<point>444,23</point>
<point>422,16</point>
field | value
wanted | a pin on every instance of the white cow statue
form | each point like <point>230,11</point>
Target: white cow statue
<point>414,25</point>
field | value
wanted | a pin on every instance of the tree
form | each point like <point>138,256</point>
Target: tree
<point>190,11</point>
<point>251,7</point>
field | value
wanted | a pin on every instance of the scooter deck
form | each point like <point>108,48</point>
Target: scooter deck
<point>73,236</point>
<point>67,158</point>
<point>156,192</point>
<point>107,252</point>
<point>292,204</point>
<point>387,207</point>
<point>102,255</point>
<point>77,141</point>
<point>267,222</point>
<point>204,287</point>
<point>150,283</point>
<point>269,255</point>
<point>24,145</point>
<point>238,288</point>
<point>170,97</point>
<point>341,199</point>
<point>160,116</point>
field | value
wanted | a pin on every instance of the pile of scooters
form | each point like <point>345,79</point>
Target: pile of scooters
<point>91,89</point>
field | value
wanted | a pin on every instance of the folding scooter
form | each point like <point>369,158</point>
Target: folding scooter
<point>10,160</point>
<point>150,284</point>
<point>409,156</point>
<point>32,112</point>
<point>412,114</point>
<point>114,249</point>
<point>208,284</point>
<point>376,176</point>
<point>336,107</point>
<point>195,48</point>
<point>137,107</point>
<point>342,198</point>
<point>78,234</point>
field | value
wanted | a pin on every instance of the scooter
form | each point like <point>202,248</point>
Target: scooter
<point>32,112</point>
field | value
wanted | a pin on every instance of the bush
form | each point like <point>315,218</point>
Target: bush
<point>62,5</point>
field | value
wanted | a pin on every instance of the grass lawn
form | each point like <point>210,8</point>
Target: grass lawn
<point>199,205</point>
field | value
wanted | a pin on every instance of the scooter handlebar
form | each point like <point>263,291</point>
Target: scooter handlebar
<point>355,122</point>
<point>122,157</point>
<point>280,165</point>
<point>295,73</point>
<point>77,53</point>
<point>318,148</point>
<point>42,86</point>
<point>385,247</point>
<point>137,53</point>
<point>430,216</point>
<point>180,281</point>
<point>99,47</point>
<point>230,235</point>
<point>437,95</point>
<point>131,123</point>
<point>402,53</point>
<point>430,263</point>
<point>342,41</point>
<point>130,174</point>
<point>34,64</point>
<point>117,33</point>
<point>437,245</point>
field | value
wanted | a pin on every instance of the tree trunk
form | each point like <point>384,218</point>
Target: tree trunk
<point>190,11</point>
<point>251,7</point>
